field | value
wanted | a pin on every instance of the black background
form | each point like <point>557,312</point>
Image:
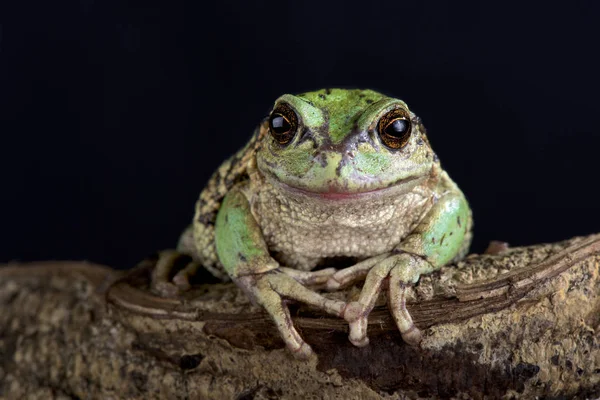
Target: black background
<point>114,114</point>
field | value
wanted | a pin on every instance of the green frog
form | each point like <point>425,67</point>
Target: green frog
<point>330,174</point>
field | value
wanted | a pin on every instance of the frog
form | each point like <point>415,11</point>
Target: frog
<point>329,174</point>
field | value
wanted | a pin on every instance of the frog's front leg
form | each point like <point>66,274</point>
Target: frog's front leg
<point>244,254</point>
<point>439,238</point>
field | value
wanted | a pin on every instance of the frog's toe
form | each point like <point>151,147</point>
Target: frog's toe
<point>279,313</point>
<point>358,332</point>
<point>347,276</point>
<point>160,281</point>
<point>289,288</point>
<point>397,304</point>
<point>168,262</point>
<point>356,315</point>
<point>412,336</point>
<point>332,283</point>
<point>165,288</point>
<point>271,289</point>
<point>182,278</point>
<point>353,311</point>
<point>304,352</point>
<point>182,282</point>
<point>310,278</point>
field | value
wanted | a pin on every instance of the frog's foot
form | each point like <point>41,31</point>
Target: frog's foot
<point>310,278</point>
<point>399,270</point>
<point>167,261</point>
<point>270,290</point>
<point>347,276</point>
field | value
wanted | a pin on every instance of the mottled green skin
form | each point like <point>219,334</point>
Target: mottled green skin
<point>443,235</point>
<point>272,213</point>
<point>341,150</point>
<point>337,150</point>
<point>341,109</point>
<point>238,238</point>
<point>445,230</point>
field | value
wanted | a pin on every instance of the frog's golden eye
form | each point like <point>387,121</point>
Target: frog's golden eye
<point>283,124</point>
<point>394,128</point>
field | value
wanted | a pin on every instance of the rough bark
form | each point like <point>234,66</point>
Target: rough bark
<point>520,324</point>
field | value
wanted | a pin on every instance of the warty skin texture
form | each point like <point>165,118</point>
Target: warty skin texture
<point>333,187</point>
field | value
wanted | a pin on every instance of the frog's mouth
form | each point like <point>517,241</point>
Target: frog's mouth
<point>336,192</point>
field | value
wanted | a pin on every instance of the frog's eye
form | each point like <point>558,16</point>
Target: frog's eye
<point>283,124</point>
<point>394,128</point>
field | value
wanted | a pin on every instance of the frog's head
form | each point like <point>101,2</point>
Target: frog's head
<point>337,143</point>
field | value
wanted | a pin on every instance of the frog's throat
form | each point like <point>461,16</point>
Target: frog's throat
<point>337,193</point>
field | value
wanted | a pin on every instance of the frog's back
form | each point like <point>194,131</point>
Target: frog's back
<point>198,240</point>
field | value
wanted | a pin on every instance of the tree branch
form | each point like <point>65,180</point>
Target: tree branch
<point>523,323</point>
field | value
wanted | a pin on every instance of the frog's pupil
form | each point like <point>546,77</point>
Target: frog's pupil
<point>397,128</point>
<point>279,124</point>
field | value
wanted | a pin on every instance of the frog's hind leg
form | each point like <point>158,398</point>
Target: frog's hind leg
<point>168,261</point>
<point>182,278</point>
